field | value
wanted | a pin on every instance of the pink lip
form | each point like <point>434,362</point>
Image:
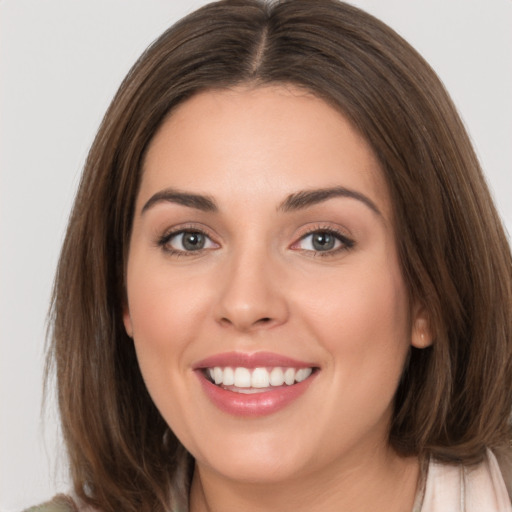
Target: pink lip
<point>255,360</point>
<point>256,404</point>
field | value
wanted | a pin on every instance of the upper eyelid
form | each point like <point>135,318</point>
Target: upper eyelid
<point>187,227</point>
<point>347,241</point>
<point>162,240</point>
<point>315,228</point>
<point>340,236</point>
<point>308,230</point>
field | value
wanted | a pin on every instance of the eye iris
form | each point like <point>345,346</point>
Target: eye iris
<point>193,241</point>
<point>323,241</point>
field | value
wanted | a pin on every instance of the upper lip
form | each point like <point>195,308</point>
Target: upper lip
<point>253,360</point>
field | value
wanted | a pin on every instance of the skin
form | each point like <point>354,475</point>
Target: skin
<point>259,285</point>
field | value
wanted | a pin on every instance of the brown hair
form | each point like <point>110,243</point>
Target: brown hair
<point>455,397</point>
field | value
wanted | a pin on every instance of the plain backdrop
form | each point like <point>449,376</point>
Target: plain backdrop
<point>61,62</point>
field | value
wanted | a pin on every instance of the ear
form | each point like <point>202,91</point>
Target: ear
<point>421,335</point>
<point>127,321</point>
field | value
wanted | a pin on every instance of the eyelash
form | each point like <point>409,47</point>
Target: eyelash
<point>346,243</point>
<point>164,240</point>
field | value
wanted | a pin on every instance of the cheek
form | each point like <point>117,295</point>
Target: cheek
<point>163,307</point>
<point>164,311</point>
<point>363,323</point>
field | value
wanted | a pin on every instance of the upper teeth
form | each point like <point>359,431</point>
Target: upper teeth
<point>258,377</point>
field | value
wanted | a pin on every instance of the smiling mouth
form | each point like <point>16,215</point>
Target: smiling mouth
<point>256,380</point>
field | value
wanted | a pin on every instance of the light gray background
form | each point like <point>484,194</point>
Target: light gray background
<point>60,64</point>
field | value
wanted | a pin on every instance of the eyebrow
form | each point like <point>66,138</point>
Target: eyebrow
<point>306,198</point>
<point>170,195</point>
<point>297,201</point>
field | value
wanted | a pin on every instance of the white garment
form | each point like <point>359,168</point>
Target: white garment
<point>447,488</point>
<point>451,488</point>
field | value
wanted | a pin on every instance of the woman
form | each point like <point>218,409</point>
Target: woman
<point>284,284</point>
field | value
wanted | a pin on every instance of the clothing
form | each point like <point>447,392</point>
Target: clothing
<point>451,488</point>
<point>60,503</point>
<point>447,488</point>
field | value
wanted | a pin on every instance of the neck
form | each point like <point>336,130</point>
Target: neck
<point>380,481</point>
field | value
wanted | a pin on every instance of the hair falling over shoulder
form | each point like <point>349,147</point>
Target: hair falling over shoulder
<point>454,399</point>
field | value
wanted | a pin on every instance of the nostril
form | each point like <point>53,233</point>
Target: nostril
<point>259,322</point>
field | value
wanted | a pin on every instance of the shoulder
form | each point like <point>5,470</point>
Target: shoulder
<point>61,503</point>
<point>479,488</point>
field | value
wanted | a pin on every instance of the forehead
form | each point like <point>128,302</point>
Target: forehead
<point>244,141</point>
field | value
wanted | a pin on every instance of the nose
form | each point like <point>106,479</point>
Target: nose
<point>251,295</point>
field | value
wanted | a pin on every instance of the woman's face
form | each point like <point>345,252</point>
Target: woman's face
<point>263,257</point>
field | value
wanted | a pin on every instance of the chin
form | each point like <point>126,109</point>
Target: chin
<point>256,461</point>
<point>259,470</point>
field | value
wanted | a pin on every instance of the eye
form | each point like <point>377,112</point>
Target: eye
<point>324,241</point>
<point>186,241</point>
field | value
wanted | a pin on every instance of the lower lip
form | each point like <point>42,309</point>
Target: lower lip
<point>255,404</point>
